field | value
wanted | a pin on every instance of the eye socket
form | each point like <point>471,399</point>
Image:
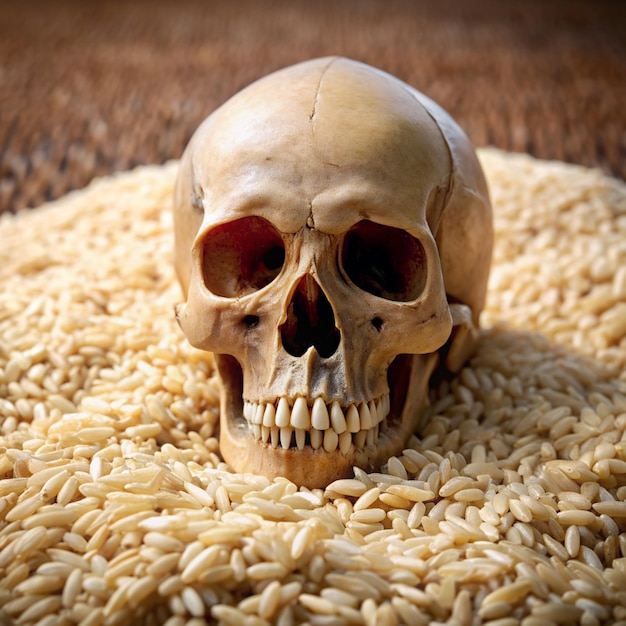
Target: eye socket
<point>241,257</point>
<point>384,261</point>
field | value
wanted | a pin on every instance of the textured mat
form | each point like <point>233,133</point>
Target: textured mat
<point>87,88</point>
<point>508,509</point>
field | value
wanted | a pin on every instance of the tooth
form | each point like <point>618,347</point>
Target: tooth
<point>353,421</point>
<point>256,431</point>
<point>366,416</point>
<point>317,437</point>
<point>319,415</point>
<point>274,436</point>
<point>269,415</point>
<point>259,409</point>
<point>371,433</point>
<point>300,438</point>
<point>265,433</point>
<point>300,416</point>
<point>247,410</point>
<point>359,439</point>
<point>386,404</point>
<point>337,418</point>
<point>345,441</point>
<point>373,412</point>
<point>282,413</point>
<point>331,439</point>
<point>285,437</point>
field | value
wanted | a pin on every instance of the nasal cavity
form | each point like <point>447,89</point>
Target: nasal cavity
<point>310,321</point>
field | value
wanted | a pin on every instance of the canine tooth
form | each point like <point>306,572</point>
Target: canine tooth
<point>337,418</point>
<point>269,415</point>
<point>256,431</point>
<point>319,415</point>
<point>300,416</point>
<point>285,437</point>
<point>331,439</point>
<point>259,409</point>
<point>345,441</point>
<point>265,434</point>
<point>353,421</point>
<point>282,413</point>
<point>300,438</point>
<point>317,438</point>
<point>366,416</point>
<point>359,439</point>
<point>274,436</point>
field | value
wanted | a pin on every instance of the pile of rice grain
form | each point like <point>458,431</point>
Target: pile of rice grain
<point>116,508</point>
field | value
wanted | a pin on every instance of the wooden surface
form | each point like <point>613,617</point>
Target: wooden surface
<point>88,88</point>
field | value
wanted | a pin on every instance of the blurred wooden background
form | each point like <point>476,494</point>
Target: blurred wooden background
<point>91,87</point>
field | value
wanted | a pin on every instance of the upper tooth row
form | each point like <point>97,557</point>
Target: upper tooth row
<point>320,416</point>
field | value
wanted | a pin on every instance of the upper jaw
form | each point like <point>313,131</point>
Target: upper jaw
<point>311,441</point>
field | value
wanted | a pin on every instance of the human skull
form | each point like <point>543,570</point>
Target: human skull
<point>333,241</point>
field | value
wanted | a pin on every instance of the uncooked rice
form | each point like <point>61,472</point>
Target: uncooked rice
<point>116,508</point>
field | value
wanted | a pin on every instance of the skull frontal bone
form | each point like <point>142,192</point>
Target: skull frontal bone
<point>310,268</point>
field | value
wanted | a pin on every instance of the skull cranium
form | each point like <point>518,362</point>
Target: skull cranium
<point>333,241</point>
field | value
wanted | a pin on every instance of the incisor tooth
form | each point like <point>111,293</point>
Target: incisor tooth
<point>319,415</point>
<point>353,421</point>
<point>300,438</point>
<point>300,416</point>
<point>337,418</point>
<point>345,441</point>
<point>359,439</point>
<point>274,436</point>
<point>269,415</point>
<point>366,416</point>
<point>282,413</point>
<point>285,437</point>
<point>317,437</point>
<point>265,434</point>
<point>371,436</point>
<point>331,439</point>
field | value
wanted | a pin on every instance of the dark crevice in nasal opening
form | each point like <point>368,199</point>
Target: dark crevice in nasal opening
<point>310,321</point>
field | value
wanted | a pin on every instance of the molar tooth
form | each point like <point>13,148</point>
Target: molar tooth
<point>317,437</point>
<point>265,434</point>
<point>300,438</point>
<point>269,415</point>
<point>300,416</point>
<point>319,415</point>
<point>285,437</point>
<point>353,421</point>
<point>274,436</point>
<point>359,439</point>
<point>386,406</point>
<point>331,439</point>
<point>282,413</point>
<point>256,431</point>
<point>366,416</point>
<point>337,418</point>
<point>345,441</point>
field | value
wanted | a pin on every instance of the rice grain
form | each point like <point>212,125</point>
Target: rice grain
<point>507,508</point>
